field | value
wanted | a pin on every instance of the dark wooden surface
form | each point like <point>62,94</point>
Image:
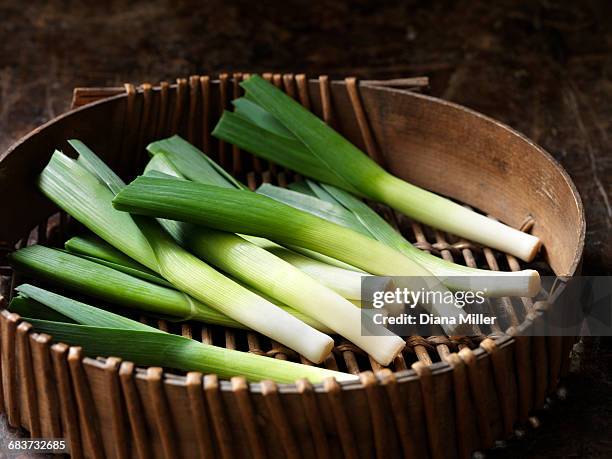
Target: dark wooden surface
<point>542,67</point>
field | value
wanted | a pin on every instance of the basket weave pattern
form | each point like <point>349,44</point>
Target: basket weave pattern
<point>442,397</point>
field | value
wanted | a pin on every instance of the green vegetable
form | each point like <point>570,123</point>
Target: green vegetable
<point>82,282</point>
<point>346,282</point>
<point>101,332</point>
<point>95,249</point>
<point>93,279</point>
<point>364,219</point>
<point>246,212</point>
<point>176,157</point>
<point>189,162</point>
<point>316,150</point>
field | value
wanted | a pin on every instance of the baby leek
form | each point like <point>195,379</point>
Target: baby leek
<point>345,282</point>
<point>226,210</point>
<point>85,246</point>
<point>284,282</point>
<point>525,283</point>
<point>87,198</point>
<point>176,157</point>
<point>101,332</point>
<point>95,249</point>
<point>316,150</point>
<point>91,277</point>
<point>190,162</point>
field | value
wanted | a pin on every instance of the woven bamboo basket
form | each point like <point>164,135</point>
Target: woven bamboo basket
<point>443,397</point>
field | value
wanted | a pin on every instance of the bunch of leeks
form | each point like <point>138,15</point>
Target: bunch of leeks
<point>265,271</point>
<point>223,209</point>
<point>122,285</point>
<point>281,262</point>
<point>85,188</point>
<point>248,263</point>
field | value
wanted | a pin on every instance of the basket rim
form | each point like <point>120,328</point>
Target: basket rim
<point>401,376</point>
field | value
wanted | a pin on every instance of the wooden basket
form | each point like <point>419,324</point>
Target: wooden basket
<point>443,397</point>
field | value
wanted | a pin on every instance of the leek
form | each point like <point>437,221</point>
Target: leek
<point>92,279</point>
<point>191,163</point>
<point>246,212</point>
<point>87,197</point>
<point>101,332</point>
<point>316,150</point>
<point>95,247</point>
<point>175,156</point>
<point>324,258</point>
<point>88,277</point>
<point>25,307</point>
<point>525,283</point>
<point>284,282</point>
<point>345,282</point>
<point>87,246</point>
<point>326,210</point>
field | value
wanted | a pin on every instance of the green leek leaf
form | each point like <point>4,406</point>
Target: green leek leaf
<point>192,163</point>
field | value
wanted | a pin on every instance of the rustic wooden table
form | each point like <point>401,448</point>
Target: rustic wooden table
<point>543,68</point>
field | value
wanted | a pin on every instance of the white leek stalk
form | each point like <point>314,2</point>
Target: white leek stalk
<point>343,281</point>
<point>265,271</point>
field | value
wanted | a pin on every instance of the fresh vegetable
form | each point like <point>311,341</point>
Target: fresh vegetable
<point>346,282</point>
<point>92,277</point>
<point>357,215</point>
<point>175,155</point>
<point>93,246</point>
<point>101,332</point>
<point>246,212</point>
<point>98,251</point>
<point>310,147</point>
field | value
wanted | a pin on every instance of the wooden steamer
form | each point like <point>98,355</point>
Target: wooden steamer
<point>443,397</point>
